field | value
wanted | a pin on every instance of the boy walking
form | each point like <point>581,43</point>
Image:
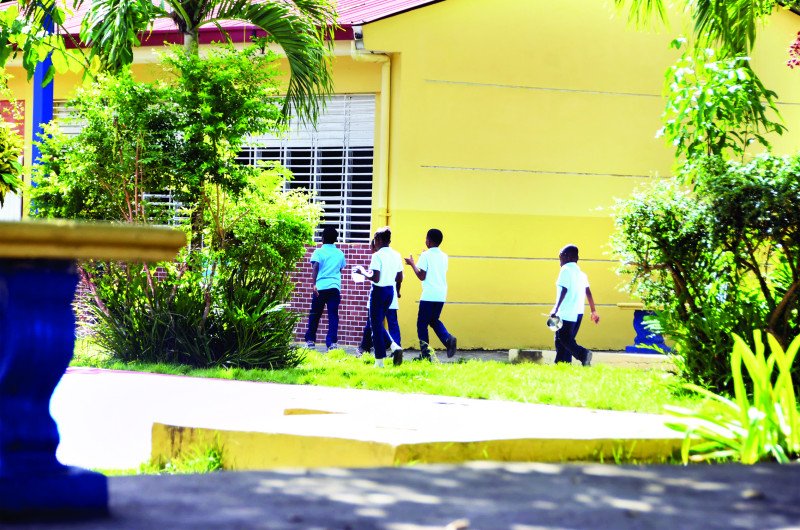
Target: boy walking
<point>327,263</point>
<point>572,289</point>
<point>432,271</point>
<point>386,274</point>
<point>392,336</point>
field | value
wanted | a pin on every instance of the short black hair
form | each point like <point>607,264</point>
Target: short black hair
<point>435,236</point>
<point>570,252</point>
<point>329,235</point>
<point>383,235</point>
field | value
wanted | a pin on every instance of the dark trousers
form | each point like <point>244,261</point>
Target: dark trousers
<point>392,335</point>
<point>429,313</point>
<point>380,298</point>
<point>566,345</point>
<point>329,298</point>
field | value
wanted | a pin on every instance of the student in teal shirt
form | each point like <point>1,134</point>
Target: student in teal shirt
<point>327,263</point>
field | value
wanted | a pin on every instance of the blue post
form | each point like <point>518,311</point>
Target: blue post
<point>42,96</point>
<point>37,334</point>
<point>646,341</point>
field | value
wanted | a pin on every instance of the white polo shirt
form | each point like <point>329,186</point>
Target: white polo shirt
<point>389,262</point>
<point>434,287</point>
<point>575,281</point>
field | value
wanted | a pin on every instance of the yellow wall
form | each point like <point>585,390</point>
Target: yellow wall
<point>514,126</point>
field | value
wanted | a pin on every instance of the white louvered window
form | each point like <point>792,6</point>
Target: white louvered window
<point>64,115</point>
<point>334,161</point>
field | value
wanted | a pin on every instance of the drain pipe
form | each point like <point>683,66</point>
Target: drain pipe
<point>381,194</point>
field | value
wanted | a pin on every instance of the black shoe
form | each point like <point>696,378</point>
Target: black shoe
<point>588,360</point>
<point>423,357</point>
<point>451,346</point>
<point>397,357</point>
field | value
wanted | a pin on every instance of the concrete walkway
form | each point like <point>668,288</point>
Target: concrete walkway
<point>478,496</point>
<point>116,420</point>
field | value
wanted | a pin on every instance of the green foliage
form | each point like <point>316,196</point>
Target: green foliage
<point>264,226</point>
<point>302,28</point>
<point>728,26</point>
<point>10,168</point>
<point>223,302</point>
<point>761,423</point>
<point>204,314</point>
<point>23,32</point>
<point>720,259</point>
<point>129,143</point>
<point>223,97</point>
<point>173,135</point>
<point>717,107</point>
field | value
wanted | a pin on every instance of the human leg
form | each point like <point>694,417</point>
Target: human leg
<point>438,327</point>
<point>332,300</point>
<point>314,314</point>
<point>567,347</point>
<point>583,355</point>
<point>562,354</point>
<point>393,337</point>
<point>379,302</point>
<point>423,317</point>
<point>394,326</point>
<point>366,338</point>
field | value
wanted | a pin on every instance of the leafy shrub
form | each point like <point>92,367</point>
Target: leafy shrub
<point>717,106</point>
<point>223,303</point>
<point>237,318</point>
<point>768,427</point>
<point>10,168</point>
<point>717,259</point>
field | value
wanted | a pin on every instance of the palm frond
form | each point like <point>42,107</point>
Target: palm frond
<point>111,29</point>
<point>642,12</point>
<point>303,30</point>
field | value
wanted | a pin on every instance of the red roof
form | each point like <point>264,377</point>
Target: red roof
<point>355,12</point>
<point>351,12</point>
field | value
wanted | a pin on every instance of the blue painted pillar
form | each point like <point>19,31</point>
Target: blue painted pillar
<point>37,334</point>
<point>42,97</point>
<point>646,341</point>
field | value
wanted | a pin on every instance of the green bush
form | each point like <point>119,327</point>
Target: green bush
<point>223,302</point>
<point>237,317</point>
<point>718,259</point>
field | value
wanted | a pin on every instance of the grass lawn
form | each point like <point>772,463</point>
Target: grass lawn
<point>599,387</point>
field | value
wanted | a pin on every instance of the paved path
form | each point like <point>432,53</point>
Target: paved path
<point>477,496</point>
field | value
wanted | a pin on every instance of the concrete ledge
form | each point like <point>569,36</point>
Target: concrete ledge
<point>243,450</point>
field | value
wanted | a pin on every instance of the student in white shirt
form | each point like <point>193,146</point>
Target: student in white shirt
<point>393,334</point>
<point>432,271</point>
<point>386,274</point>
<point>572,289</point>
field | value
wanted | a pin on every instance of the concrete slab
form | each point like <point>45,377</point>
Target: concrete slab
<point>106,421</point>
<point>482,496</point>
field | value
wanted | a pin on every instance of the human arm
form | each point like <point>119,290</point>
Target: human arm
<point>314,274</point>
<point>561,297</point>
<point>398,281</point>
<point>595,317</point>
<point>421,274</point>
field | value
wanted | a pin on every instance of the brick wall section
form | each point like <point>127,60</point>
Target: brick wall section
<point>352,310</point>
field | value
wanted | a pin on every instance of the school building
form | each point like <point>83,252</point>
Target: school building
<point>511,125</point>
